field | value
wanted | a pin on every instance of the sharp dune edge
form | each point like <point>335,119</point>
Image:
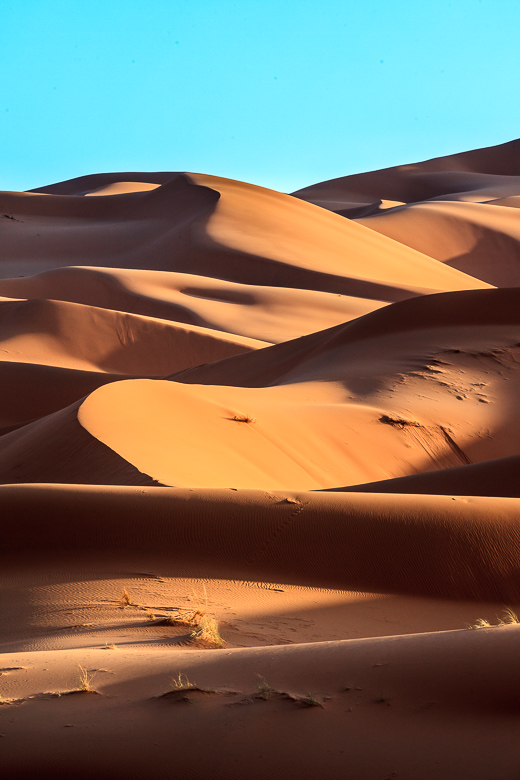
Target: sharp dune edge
<point>259,474</point>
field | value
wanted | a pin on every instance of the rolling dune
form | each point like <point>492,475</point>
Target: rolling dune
<point>259,474</point>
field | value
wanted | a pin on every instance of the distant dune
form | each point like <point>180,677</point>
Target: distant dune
<point>260,475</point>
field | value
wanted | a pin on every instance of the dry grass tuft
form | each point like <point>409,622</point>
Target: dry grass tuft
<point>207,632</point>
<point>191,618</point>
<point>310,700</point>
<point>265,691</point>
<point>509,618</point>
<point>243,418</point>
<point>481,623</point>
<point>85,680</point>
<point>181,683</point>
<point>125,598</point>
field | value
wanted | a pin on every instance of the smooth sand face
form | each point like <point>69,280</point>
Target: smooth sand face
<point>293,415</point>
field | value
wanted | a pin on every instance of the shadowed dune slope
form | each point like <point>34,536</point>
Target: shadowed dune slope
<point>29,391</point>
<point>419,544</point>
<point>500,477</point>
<point>407,707</point>
<point>56,449</point>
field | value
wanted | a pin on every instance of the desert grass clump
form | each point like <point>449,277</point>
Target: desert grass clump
<point>190,618</point>
<point>481,623</point>
<point>125,598</point>
<point>509,618</point>
<point>181,683</point>
<point>310,700</point>
<point>243,418</point>
<point>207,632</point>
<point>264,690</point>
<point>85,680</point>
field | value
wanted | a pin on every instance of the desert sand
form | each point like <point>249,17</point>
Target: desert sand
<point>260,476</point>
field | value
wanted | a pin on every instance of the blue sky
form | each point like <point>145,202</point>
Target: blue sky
<point>279,93</point>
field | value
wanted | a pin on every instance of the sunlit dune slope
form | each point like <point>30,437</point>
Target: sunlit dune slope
<point>407,389</point>
<point>208,226</point>
<point>271,314</point>
<point>466,236</point>
<point>71,335</point>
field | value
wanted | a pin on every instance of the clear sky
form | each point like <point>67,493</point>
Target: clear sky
<point>281,93</point>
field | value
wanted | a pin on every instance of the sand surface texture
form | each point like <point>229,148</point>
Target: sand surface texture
<point>260,476</point>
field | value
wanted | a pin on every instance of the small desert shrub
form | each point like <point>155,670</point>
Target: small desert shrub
<point>181,683</point>
<point>85,679</point>
<point>207,632</point>
<point>243,418</point>
<point>481,623</point>
<point>509,617</point>
<point>310,700</point>
<point>264,689</point>
<point>125,598</point>
<point>187,619</point>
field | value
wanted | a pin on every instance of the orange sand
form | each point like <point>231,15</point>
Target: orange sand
<point>294,414</point>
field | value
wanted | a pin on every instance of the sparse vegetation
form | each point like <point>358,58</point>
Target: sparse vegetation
<point>310,700</point>
<point>85,680</point>
<point>264,689</point>
<point>187,619</point>
<point>125,598</point>
<point>509,618</point>
<point>204,629</point>
<point>151,615</point>
<point>207,632</point>
<point>243,418</point>
<point>481,623</point>
<point>181,683</point>
<point>383,698</point>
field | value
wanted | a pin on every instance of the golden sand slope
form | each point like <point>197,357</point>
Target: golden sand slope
<point>293,415</point>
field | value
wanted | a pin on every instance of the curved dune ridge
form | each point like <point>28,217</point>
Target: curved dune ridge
<point>282,425</point>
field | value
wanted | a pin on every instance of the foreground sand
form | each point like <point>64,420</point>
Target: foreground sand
<point>295,415</point>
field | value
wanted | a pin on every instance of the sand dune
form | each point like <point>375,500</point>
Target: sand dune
<point>462,235</point>
<point>71,335</point>
<point>269,314</point>
<point>456,173</point>
<point>259,460</point>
